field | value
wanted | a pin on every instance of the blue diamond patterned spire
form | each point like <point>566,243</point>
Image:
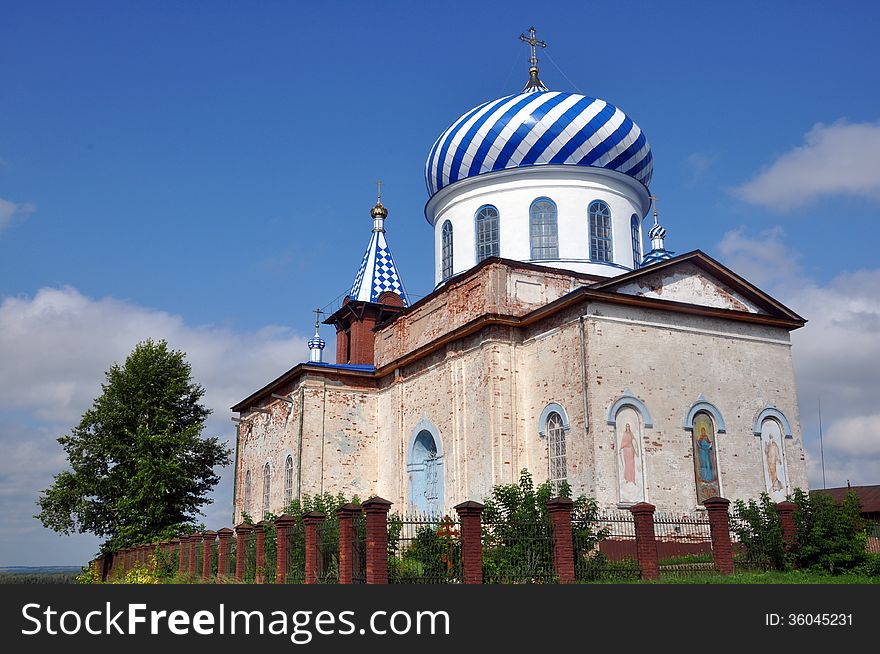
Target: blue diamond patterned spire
<point>377,273</point>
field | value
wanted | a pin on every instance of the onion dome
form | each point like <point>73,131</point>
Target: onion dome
<point>658,248</point>
<point>539,127</point>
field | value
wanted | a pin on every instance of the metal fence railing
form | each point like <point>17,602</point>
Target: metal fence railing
<point>424,549</point>
<point>606,551</point>
<point>518,553</point>
<point>754,548</point>
<point>296,554</point>
<point>359,547</point>
<point>231,553</point>
<point>684,543</point>
<point>327,568</point>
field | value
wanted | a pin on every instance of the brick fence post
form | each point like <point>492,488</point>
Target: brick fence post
<point>195,538</point>
<point>283,525</point>
<point>789,529</point>
<point>346,515</point>
<point>311,520</point>
<point>646,542</point>
<point>470,513</point>
<point>260,574</point>
<point>563,542</point>
<point>242,534</point>
<point>208,538</point>
<point>223,536</point>
<point>719,524</point>
<point>376,509</point>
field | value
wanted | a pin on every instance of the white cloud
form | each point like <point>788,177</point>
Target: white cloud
<point>10,210</point>
<point>55,348</point>
<point>835,354</point>
<point>698,163</point>
<point>858,436</point>
<point>838,159</point>
<point>764,261</point>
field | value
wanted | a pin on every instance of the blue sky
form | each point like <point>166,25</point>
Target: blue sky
<point>204,171</point>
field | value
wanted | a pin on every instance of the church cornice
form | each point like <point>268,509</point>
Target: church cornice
<point>593,291</point>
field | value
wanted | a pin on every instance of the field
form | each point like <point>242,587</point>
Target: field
<point>39,575</point>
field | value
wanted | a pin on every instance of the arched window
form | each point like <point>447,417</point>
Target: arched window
<point>600,232</point>
<point>487,233</point>
<point>247,492</point>
<point>266,472</point>
<point>288,481</point>
<point>446,250</point>
<point>556,451</point>
<point>635,228</point>
<point>543,229</point>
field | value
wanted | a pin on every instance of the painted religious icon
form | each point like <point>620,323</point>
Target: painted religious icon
<point>705,458</point>
<point>630,471</point>
<point>773,459</point>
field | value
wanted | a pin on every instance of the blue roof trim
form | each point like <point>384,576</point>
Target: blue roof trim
<point>342,366</point>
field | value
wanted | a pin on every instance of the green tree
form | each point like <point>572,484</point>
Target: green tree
<point>140,469</point>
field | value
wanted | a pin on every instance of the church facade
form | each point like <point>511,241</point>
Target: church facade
<point>552,342</point>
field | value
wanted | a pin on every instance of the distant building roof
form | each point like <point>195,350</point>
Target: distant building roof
<point>869,496</point>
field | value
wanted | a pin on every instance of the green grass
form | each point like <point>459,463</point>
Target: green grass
<point>770,577</point>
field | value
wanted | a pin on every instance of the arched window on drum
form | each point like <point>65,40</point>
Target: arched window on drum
<point>600,232</point>
<point>543,229</point>
<point>636,233</point>
<point>446,250</point>
<point>488,236</point>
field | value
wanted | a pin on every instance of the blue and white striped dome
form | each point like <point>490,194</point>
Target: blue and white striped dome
<point>539,127</point>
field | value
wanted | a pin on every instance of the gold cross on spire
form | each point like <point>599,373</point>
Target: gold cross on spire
<point>533,42</point>
<point>379,184</point>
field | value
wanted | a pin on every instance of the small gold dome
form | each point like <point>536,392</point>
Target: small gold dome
<point>379,211</point>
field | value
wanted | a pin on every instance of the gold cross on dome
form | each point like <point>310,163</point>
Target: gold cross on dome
<point>379,185</point>
<point>318,313</point>
<point>533,42</point>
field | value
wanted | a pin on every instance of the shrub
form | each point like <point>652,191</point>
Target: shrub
<point>871,566</point>
<point>517,533</point>
<point>89,575</point>
<point>759,532</point>
<point>140,574</point>
<point>433,554</point>
<point>830,538</point>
